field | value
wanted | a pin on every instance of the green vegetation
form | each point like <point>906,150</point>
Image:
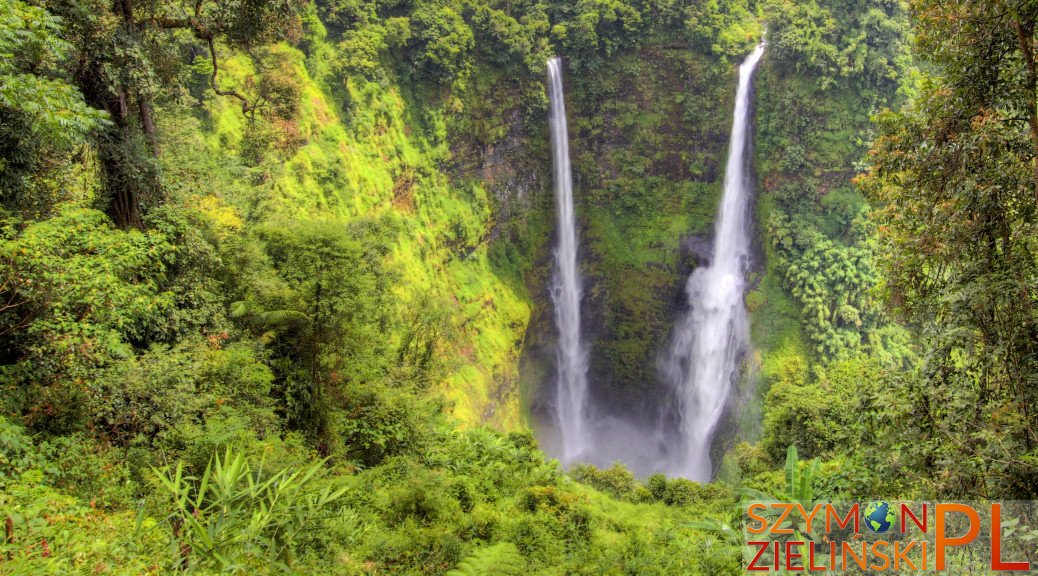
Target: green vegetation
<point>268,272</point>
<point>956,181</point>
<point>823,333</point>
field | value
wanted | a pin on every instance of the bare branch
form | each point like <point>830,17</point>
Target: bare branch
<point>246,106</point>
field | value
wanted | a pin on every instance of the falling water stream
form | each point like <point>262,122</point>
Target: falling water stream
<point>571,356</point>
<point>710,340</point>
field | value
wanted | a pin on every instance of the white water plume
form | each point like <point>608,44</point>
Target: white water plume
<point>571,356</point>
<point>710,340</point>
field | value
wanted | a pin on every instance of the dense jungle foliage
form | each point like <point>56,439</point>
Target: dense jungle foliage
<point>274,273</point>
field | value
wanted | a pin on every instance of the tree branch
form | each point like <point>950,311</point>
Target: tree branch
<point>200,31</point>
<point>246,106</point>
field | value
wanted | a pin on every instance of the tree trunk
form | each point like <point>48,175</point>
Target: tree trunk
<point>148,123</point>
<point>128,170</point>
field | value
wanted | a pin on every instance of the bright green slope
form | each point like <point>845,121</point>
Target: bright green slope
<point>386,160</point>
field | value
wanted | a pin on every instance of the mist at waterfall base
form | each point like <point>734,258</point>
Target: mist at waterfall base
<point>702,364</point>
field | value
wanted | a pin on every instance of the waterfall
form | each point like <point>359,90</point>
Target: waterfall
<point>709,342</point>
<point>571,357</point>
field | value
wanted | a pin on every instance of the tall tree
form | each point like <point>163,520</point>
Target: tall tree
<point>954,178</point>
<point>130,49</point>
<point>322,314</point>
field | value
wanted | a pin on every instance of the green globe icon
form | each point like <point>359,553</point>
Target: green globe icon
<point>880,517</point>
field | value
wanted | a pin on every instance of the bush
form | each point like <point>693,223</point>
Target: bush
<point>18,452</point>
<point>422,496</point>
<point>93,472</point>
<point>377,422</point>
<point>657,486</point>
<point>155,398</point>
<point>441,46</point>
<point>816,415</point>
<point>682,492</point>
<point>617,481</point>
<point>85,292</point>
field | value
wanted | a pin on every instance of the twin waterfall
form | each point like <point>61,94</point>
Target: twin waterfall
<point>710,340</point>
<point>702,364</point>
<point>571,356</point>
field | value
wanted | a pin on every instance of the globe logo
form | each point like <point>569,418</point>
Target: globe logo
<point>880,517</point>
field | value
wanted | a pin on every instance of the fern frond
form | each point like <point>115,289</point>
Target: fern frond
<point>498,560</point>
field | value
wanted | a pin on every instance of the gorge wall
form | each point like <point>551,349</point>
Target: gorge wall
<point>648,167</point>
<point>460,173</point>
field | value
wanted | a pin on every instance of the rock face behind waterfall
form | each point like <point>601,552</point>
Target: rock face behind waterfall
<point>642,188</point>
<point>634,226</point>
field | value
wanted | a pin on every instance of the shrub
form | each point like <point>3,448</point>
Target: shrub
<point>657,486</point>
<point>378,422</point>
<point>682,492</point>
<point>617,481</point>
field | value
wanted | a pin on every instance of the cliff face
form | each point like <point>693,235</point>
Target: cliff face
<point>463,173</point>
<point>648,137</point>
<point>514,167</point>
